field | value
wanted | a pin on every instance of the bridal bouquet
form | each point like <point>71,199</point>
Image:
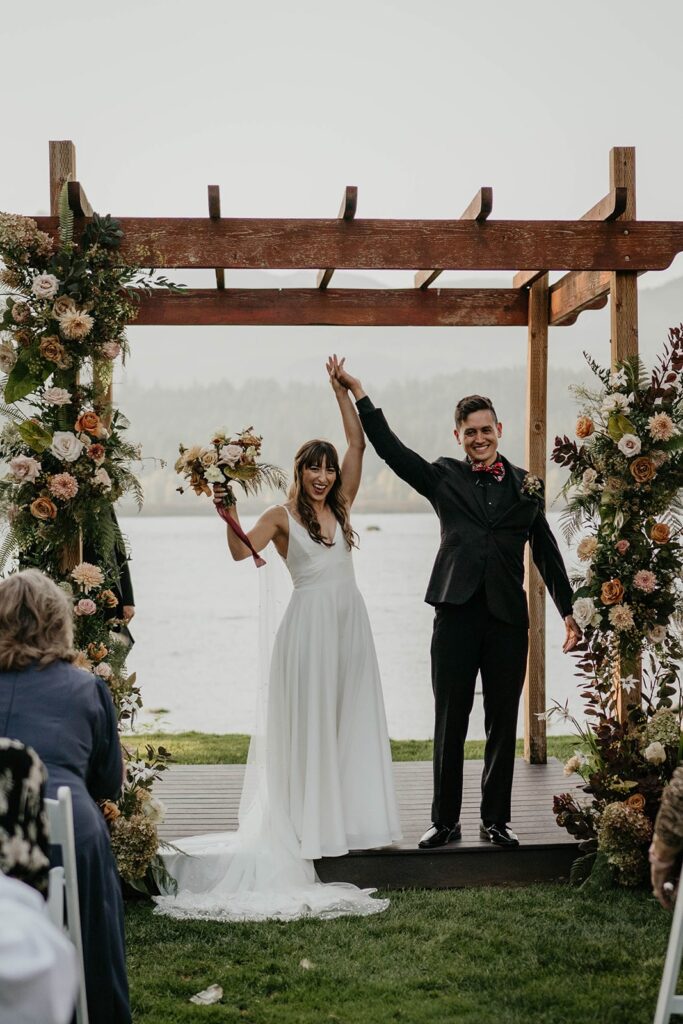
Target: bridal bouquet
<point>229,459</point>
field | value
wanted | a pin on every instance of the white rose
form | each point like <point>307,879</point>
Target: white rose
<point>230,454</point>
<point>214,475</point>
<point>655,753</point>
<point>102,479</point>
<point>657,634</point>
<point>154,809</point>
<point>56,396</point>
<point>103,670</point>
<point>588,480</point>
<point>66,446</point>
<point>615,403</point>
<point>45,286</point>
<point>8,357</point>
<point>629,445</point>
<point>584,610</point>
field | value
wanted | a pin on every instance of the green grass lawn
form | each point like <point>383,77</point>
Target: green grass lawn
<point>546,954</point>
<point>231,748</point>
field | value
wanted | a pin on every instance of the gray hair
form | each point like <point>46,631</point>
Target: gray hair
<point>36,621</point>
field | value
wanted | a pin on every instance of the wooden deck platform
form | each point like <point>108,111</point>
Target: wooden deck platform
<point>205,798</point>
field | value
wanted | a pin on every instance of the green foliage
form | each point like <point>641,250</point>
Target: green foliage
<point>35,436</point>
<point>66,217</point>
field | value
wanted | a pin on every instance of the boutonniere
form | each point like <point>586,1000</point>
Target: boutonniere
<point>532,486</point>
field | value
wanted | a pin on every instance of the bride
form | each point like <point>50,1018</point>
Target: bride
<point>319,778</point>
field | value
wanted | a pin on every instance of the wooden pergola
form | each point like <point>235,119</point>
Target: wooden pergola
<point>602,254</point>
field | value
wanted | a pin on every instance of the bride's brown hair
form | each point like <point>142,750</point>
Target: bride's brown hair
<point>310,454</point>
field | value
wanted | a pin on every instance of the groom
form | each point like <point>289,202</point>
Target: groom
<point>488,510</point>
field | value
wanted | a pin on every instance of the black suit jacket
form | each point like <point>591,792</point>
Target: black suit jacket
<point>474,550</point>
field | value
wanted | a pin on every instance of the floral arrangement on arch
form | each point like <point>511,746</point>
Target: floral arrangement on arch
<point>623,498</point>
<point>63,445</point>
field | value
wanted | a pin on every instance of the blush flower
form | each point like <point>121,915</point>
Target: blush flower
<point>75,325</point>
<point>661,427</point>
<point>657,634</point>
<point>629,445</point>
<point>621,617</point>
<point>111,350</point>
<point>586,548</point>
<point>56,396</point>
<point>88,576</point>
<point>85,607</point>
<point>20,312</point>
<point>24,468</point>
<point>64,486</point>
<point>8,357</point>
<point>45,286</point>
<point>622,546</point>
<point>103,670</point>
<point>230,454</point>
<point>102,479</point>
<point>645,580</point>
<point>97,453</point>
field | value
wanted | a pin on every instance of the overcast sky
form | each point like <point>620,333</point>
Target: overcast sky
<point>283,104</point>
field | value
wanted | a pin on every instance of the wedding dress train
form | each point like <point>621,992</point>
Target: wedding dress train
<point>319,780</point>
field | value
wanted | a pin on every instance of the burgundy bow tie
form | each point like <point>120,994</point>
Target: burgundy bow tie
<point>496,469</point>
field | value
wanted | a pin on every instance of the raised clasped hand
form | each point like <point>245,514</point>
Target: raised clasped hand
<point>334,366</point>
<point>339,373</point>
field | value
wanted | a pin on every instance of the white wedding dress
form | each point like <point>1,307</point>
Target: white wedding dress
<point>319,780</point>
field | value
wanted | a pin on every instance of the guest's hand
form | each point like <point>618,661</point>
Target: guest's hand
<point>128,612</point>
<point>573,634</point>
<point>351,384</point>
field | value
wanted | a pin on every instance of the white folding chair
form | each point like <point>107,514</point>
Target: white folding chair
<point>668,1002</point>
<point>63,886</point>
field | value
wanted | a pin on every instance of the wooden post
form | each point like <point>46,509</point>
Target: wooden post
<point>63,169</point>
<point>535,749</point>
<point>624,344</point>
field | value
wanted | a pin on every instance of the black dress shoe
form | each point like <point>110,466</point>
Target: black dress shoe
<point>499,835</point>
<point>439,835</point>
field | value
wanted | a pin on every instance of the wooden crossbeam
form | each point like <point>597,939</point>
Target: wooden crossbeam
<point>347,211</point>
<point>260,243</point>
<point>575,292</point>
<point>78,201</point>
<point>478,211</point>
<point>215,214</point>
<point>608,208</point>
<point>345,307</point>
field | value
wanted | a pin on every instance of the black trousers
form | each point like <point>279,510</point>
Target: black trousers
<point>468,640</point>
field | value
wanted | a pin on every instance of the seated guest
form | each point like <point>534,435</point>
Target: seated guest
<point>38,969</point>
<point>68,717</point>
<point>24,850</point>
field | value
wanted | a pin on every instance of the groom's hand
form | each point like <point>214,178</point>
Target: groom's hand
<point>573,634</point>
<point>341,374</point>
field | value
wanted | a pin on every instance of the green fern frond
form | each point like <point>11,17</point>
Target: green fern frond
<point>11,412</point>
<point>8,546</point>
<point>66,217</point>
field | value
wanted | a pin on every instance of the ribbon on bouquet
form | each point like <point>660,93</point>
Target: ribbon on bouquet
<point>239,532</point>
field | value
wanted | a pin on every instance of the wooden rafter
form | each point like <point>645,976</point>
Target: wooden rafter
<point>399,307</point>
<point>214,195</point>
<point>478,211</point>
<point>78,201</point>
<point>606,209</point>
<point>347,211</point>
<point>260,243</point>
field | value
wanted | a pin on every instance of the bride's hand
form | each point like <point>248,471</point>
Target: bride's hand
<point>219,493</point>
<point>343,376</point>
<point>333,366</point>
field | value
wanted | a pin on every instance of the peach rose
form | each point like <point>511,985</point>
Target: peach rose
<point>612,592</point>
<point>109,598</point>
<point>52,349</point>
<point>43,508</point>
<point>584,426</point>
<point>88,422</point>
<point>660,533</point>
<point>643,469</point>
<point>97,651</point>
<point>636,802</point>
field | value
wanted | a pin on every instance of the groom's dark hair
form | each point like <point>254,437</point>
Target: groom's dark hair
<point>470,404</point>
